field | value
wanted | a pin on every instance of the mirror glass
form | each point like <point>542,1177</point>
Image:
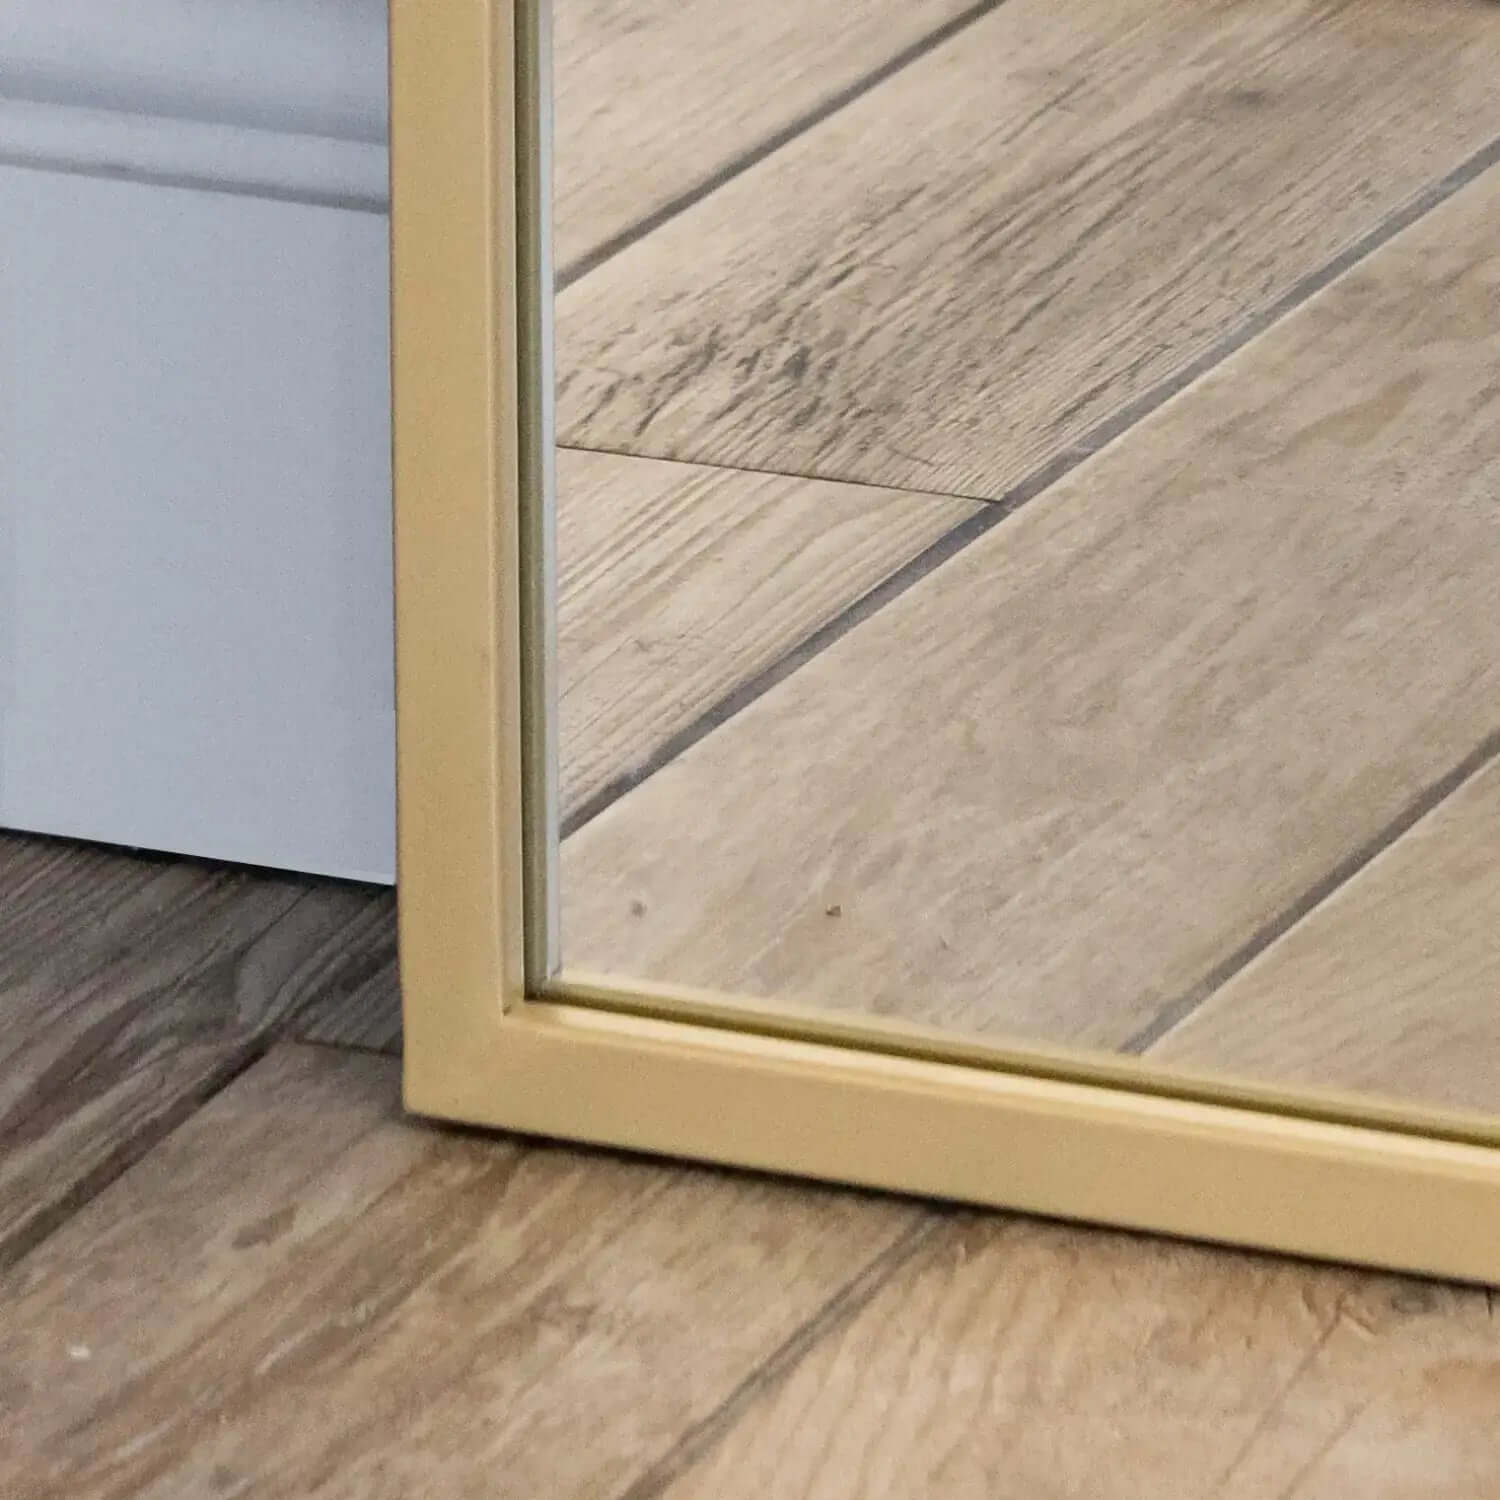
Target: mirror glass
<point>1028,522</point>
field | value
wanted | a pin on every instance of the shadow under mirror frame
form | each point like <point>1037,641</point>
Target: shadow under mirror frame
<point>492,1039</point>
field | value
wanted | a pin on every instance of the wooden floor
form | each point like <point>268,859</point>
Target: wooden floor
<point>1042,462</point>
<point>1198,305</point>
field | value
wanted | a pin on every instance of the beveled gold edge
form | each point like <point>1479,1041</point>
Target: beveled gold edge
<point>1067,1150</point>
<point>1023,1058</point>
<point>536,476</point>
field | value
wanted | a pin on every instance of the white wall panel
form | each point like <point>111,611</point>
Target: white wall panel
<point>195,571</point>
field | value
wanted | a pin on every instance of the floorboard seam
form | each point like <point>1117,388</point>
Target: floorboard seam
<point>701,1438</point>
<point>1428,800</point>
<point>18,1244</point>
<point>127,1153</point>
<point>391,1051</point>
<point>836,479</point>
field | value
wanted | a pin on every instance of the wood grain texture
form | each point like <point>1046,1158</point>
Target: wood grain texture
<point>1390,986</point>
<point>1053,787</point>
<point>302,1293</point>
<point>50,889</point>
<point>678,582</point>
<point>1011,1361</point>
<point>130,988</point>
<point>365,1014</point>
<point>654,101</point>
<point>951,282</point>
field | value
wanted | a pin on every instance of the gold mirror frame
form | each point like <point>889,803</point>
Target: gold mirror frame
<point>497,1035</point>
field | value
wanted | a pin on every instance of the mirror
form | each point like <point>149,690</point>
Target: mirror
<point>1028,524</point>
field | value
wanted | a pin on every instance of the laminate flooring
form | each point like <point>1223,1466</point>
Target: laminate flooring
<point>300,1293</point>
<point>1065,782</point>
<point>1027,524</point>
<point>997,256</point>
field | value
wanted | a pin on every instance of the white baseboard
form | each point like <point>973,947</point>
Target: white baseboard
<point>304,67</point>
<point>284,100</point>
<point>195,153</point>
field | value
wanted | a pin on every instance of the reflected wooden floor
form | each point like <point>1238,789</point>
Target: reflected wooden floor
<point>1068,783</point>
<point>1228,622</point>
<point>827,558</point>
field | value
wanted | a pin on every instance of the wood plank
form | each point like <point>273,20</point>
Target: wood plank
<point>952,282</point>
<point>653,101</point>
<point>129,989</point>
<point>1054,787</point>
<point>1026,1359</point>
<point>1390,985</point>
<point>677,582</point>
<point>300,1292</point>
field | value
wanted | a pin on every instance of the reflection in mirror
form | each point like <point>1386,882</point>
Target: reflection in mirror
<point>1028,536</point>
